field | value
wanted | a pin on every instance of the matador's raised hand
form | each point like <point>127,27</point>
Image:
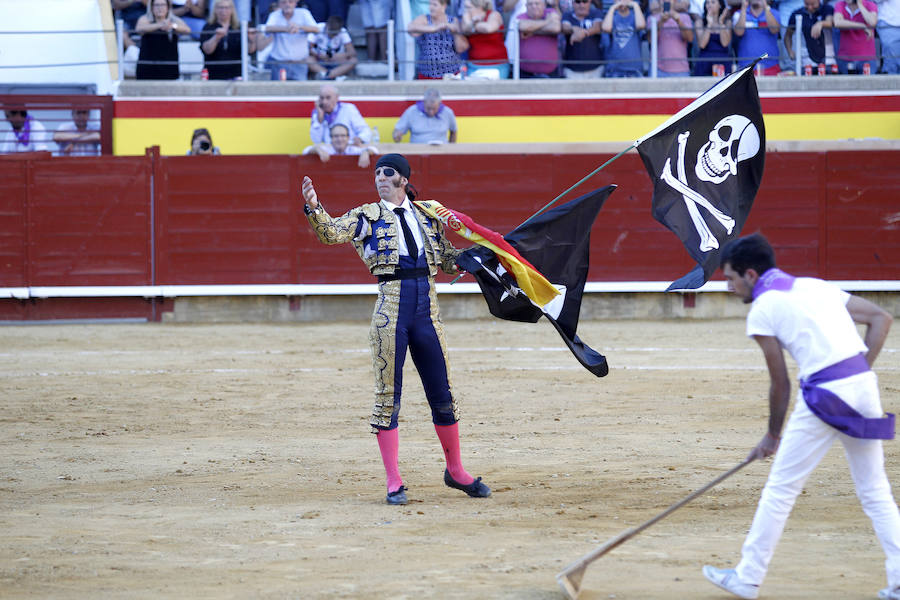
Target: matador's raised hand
<point>309,193</point>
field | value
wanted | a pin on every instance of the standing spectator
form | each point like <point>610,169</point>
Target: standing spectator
<point>193,13</point>
<point>786,8</point>
<point>539,28</point>
<point>583,55</point>
<point>756,28</point>
<point>713,38</point>
<point>340,146</point>
<point>331,51</point>
<point>159,29</point>
<point>674,32</point>
<point>221,42</point>
<point>857,21</point>
<point>815,321</point>
<point>816,17</point>
<point>286,29</point>
<point>322,10</point>
<point>27,133</point>
<point>483,28</point>
<point>375,15</point>
<point>428,121</point>
<point>201,143</point>
<point>889,34</point>
<point>623,21</point>
<point>438,42</point>
<point>80,136</point>
<point>329,110</point>
<point>130,11</point>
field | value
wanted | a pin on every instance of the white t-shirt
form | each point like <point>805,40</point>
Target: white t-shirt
<point>811,322</point>
<point>79,148</point>
<point>290,46</point>
<point>38,140</point>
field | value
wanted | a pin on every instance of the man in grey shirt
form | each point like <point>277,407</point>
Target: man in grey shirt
<point>428,121</point>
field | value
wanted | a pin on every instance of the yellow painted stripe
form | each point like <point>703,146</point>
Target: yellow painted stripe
<point>291,135</point>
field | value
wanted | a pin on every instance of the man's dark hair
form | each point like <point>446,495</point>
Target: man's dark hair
<point>750,252</point>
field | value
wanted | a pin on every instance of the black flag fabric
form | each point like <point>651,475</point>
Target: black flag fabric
<point>556,243</point>
<point>706,163</point>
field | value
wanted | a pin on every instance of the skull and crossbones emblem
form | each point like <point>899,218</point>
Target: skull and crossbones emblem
<point>732,140</point>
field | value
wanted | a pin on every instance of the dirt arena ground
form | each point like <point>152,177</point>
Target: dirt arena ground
<point>235,461</point>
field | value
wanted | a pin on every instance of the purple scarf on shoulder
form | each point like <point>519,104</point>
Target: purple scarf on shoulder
<point>24,135</point>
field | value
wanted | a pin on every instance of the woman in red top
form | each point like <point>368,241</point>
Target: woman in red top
<point>483,28</point>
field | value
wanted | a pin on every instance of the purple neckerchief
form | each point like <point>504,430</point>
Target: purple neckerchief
<point>835,412</point>
<point>330,117</point>
<point>773,279</point>
<point>24,134</point>
<point>421,106</point>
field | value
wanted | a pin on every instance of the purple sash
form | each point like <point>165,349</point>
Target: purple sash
<point>24,136</point>
<point>835,412</point>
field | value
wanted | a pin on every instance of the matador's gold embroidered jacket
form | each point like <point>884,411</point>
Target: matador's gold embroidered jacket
<point>374,233</point>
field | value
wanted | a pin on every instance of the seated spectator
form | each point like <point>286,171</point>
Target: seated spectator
<point>130,11</point>
<point>483,28</point>
<point>674,32</point>
<point>889,34</point>
<point>583,55</point>
<point>539,27</point>
<point>375,15</point>
<point>221,42</point>
<point>816,17</point>
<point>159,29</point>
<point>713,38</point>
<point>756,26</point>
<point>329,110</point>
<point>78,137</point>
<point>286,29</point>
<point>428,121</point>
<point>331,51</point>
<point>340,146</point>
<point>201,143</point>
<point>857,21</point>
<point>623,21</point>
<point>193,13</point>
<point>438,42</point>
<point>27,133</point>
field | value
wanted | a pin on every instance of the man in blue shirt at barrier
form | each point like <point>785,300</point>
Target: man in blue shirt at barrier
<point>428,121</point>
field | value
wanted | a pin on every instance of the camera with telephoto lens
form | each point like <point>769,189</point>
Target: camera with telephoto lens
<point>204,145</point>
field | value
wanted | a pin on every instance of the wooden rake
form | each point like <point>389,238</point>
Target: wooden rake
<point>570,578</point>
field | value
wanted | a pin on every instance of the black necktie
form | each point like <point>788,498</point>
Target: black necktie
<point>407,235</point>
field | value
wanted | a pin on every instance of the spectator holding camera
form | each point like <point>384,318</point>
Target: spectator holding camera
<point>201,143</point>
<point>756,28</point>
<point>623,21</point>
<point>221,42</point>
<point>674,33</point>
<point>857,20</point>
<point>331,51</point>
<point>340,146</point>
<point>713,38</point>
<point>159,29</point>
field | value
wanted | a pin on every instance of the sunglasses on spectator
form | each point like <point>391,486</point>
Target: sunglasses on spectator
<point>581,1</point>
<point>386,171</point>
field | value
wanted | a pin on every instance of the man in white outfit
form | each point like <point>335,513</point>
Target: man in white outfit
<point>814,321</point>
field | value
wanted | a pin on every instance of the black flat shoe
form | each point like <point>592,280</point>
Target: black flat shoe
<point>398,497</point>
<point>476,489</point>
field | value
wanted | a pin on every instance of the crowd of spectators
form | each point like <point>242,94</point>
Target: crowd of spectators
<point>78,137</point>
<point>574,39</point>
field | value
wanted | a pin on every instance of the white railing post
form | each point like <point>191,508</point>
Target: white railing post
<point>517,59</point>
<point>798,31</point>
<point>245,56</point>
<point>653,48</point>
<point>390,49</point>
<point>120,44</point>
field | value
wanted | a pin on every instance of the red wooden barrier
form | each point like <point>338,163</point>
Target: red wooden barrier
<point>151,220</point>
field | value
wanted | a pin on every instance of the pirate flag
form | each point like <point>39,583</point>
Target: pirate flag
<point>706,163</point>
<point>557,244</point>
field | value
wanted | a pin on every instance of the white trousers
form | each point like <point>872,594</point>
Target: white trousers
<point>805,442</point>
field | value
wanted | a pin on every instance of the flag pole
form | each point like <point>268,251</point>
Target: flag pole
<point>555,200</point>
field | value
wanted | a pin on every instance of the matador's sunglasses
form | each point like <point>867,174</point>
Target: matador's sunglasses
<point>387,171</point>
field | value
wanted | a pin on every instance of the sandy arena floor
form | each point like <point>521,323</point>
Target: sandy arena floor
<point>235,461</point>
